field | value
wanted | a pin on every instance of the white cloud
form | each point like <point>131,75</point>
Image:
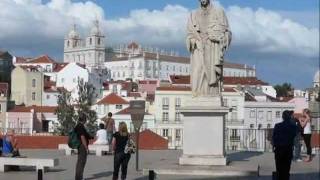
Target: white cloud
<point>45,25</point>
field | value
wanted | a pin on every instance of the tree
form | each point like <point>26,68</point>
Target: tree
<point>86,93</point>
<point>65,113</point>
<point>284,90</point>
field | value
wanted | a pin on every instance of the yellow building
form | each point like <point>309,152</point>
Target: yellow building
<point>26,86</point>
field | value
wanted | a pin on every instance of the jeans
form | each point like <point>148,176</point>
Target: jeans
<point>81,162</point>
<point>297,147</point>
<point>120,159</point>
<point>283,157</point>
<point>109,137</point>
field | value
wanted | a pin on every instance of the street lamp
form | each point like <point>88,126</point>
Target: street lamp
<point>137,111</point>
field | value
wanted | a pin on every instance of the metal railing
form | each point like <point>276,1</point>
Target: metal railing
<point>248,139</point>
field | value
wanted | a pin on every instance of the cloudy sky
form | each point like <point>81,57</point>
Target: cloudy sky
<point>279,37</point>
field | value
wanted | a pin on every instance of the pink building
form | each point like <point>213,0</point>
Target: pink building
<point>30,119</point>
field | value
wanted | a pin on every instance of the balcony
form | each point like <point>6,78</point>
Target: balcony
<point>165,107</point>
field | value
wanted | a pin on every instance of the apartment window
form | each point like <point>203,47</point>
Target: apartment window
<point>33,96</point>
<point>99,41</point>
<point>165,103</point>
<point>268,126</point>
<point>167,67</point>
<point>165,132</point>
<point>180,69</point>
<point>174,68</point>
<point>48,68</point>
<point>123,74</point>
<point>48,96</point>
<point>165,116</point>
<point>178,134</point>
<point>278,114</point>
<point>178,117</point>
<point>251,125</point>
<point>178,102</point>
<point>119,106</point>
<point>269,115</point>
<point>260,114</point>
<point>259,126</point>
<point>62,80</point>
<point>33,83</point>
<point>0,107</point>
<point>252,113</point>
<point>118,74</point>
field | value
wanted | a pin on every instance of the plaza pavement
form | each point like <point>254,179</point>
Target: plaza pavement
<point>99,168</point>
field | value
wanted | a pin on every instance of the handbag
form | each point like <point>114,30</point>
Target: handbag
<point>130,147</point>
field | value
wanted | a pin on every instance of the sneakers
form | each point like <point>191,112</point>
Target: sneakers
<point>299,160</point>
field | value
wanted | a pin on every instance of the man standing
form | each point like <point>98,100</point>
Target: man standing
<point>110,127</point>
<point>208,38</point>
<point>283,137</point>
<point>83,150</point>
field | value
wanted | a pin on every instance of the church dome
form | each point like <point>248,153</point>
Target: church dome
<point>95,31</point>
<point>73,34</point>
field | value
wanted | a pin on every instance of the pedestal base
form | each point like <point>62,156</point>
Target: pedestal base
<point>203,137</point>
<point>203,160</point>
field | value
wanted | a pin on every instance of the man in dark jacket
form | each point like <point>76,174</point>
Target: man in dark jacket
<point>283,141</point>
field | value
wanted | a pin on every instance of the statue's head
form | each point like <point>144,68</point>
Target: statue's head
<point>204,3</point>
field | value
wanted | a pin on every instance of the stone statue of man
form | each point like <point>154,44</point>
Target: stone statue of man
<point>208,38</point>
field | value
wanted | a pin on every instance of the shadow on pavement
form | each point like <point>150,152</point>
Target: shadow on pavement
<point>242,156</point>
<point>100,175</point>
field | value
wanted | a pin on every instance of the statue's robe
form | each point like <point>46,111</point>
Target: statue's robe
<point>208,37</point>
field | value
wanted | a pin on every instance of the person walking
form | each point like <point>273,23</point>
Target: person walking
<point>282,139</point>
<point>119,141</point>
<point>306,124</point>
<point>110,127</point>
<point>83,150</point>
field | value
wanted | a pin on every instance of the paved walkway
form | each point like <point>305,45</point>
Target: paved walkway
<point>99,168</point>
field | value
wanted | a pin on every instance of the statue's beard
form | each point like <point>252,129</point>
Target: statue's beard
<point>205,4</point>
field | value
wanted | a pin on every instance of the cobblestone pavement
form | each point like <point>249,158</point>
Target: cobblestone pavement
<point>99,168</point>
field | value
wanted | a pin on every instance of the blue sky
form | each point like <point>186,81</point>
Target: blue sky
<point>279,37</point>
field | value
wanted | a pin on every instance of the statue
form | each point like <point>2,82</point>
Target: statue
<point>208,38</point>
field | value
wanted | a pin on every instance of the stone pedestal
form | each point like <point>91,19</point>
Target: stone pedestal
<point>203,137</point>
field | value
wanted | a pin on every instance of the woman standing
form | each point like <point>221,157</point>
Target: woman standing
<point>306,125</point>
<point>121,158</point>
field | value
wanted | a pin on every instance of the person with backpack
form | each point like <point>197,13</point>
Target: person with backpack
<point>121,153</point>
<point>83,136</point>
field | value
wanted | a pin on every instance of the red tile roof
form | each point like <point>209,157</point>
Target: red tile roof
<point>179,79</point>
<point>4,88</point>
<point>42,59</point>
<point>228,89</point>
<point>112,99</point>
<point>41,109</point>
<point>173,88</point>
<point>151,141</point>
<point>243,81</point>
<point>59,66</point>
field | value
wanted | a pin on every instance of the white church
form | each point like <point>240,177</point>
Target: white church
<point>89,51</point>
